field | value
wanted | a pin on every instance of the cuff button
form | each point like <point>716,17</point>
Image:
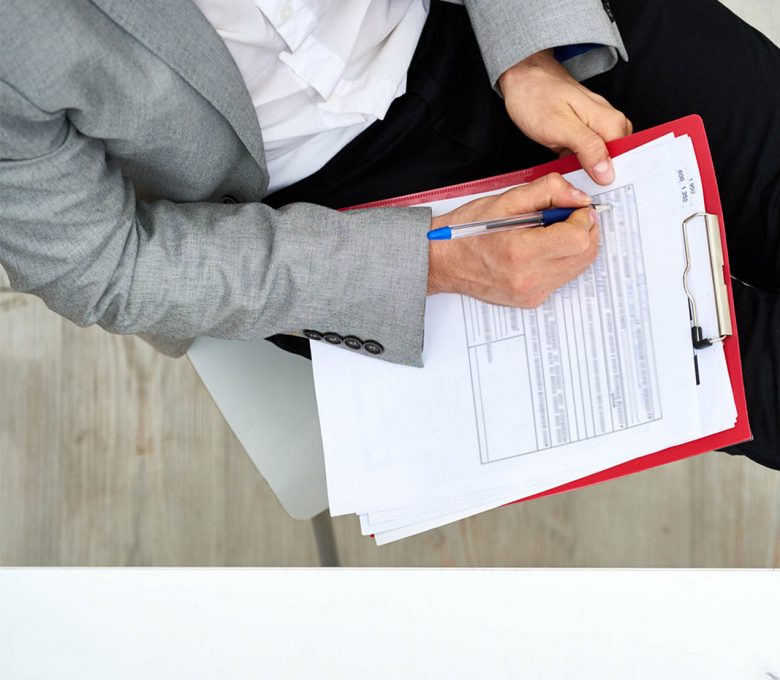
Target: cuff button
<point>373,347</point>
<point>312,335</point>
<point>352,342</point>
<point>332,338</point>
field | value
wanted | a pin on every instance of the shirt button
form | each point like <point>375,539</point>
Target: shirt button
<point>312,335</point>
<point>373,347</point>
<point>352,342</point>
<point>287,11</point>
<point>332,338</point>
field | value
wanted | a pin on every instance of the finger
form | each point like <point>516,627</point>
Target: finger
<point>608,123</point>
<point>587,255</point>
<point>545,192</point>
<point>569,238</point>
<point>563,273</point>
<point>559,272</point>
<point>574,134</point>
<point>629,128</point>
<point>627,125</point>
<point>584,219</point>
<point>596,97</point>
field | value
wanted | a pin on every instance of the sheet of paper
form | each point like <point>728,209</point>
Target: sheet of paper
<point>513,402</point>
<point>717,410</point>
<point>713,373</point>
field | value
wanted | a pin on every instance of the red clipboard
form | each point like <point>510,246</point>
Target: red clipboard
<point>693,126</point>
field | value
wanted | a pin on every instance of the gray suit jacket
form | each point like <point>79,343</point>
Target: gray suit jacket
<point>125,125</point>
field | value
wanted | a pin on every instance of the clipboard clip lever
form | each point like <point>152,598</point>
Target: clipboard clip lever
<point>715,247</point>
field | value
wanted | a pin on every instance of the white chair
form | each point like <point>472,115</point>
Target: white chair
<point>266,395</point>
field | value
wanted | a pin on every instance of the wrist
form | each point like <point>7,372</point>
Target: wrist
<point>437,261</point>
<point>537,62</point>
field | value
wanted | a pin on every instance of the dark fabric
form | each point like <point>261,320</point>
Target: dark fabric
<point>758,325</point>
<point>729,74</point>
<point>452,127</point>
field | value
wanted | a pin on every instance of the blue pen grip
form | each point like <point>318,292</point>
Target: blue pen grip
<point>554,215</point>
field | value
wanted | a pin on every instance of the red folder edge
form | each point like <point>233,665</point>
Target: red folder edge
<point>693,126</point>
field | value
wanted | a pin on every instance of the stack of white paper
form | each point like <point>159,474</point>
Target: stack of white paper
<point>513,402</point>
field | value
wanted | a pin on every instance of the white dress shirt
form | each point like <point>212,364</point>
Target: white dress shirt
<point>319,71</point>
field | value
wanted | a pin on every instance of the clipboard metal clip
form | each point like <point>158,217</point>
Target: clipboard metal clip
<point>715,247</point>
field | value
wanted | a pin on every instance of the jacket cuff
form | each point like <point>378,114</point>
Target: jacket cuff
<point>507,33</point>
<point>379,299</point>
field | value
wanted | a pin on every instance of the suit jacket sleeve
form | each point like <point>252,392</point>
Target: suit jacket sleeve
<point>508,31</point>
<point>74,233</point>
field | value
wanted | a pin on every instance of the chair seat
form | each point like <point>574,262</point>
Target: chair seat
<point>267,397</point>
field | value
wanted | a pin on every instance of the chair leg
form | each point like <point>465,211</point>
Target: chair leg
<point>326,539</point>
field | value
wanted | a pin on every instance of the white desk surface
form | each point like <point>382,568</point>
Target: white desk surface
<point>375,624</point>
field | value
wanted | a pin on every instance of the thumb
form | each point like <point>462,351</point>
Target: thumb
<point>545,192</point>
<point>591,149</point>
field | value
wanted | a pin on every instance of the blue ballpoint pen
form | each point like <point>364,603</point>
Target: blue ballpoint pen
<point>542,218</point>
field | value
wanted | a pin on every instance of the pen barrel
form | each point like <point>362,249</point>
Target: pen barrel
<point>477,230</point>
<point>501,224</point>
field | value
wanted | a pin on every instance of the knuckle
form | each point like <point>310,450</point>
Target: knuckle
<point>535,300</point>
<point>517,288</point>
<point>618,116</point>
<point>586,259</point>
<point>555,180</point>
<point>522,286</point>
<point>551,184</point>
<point>544,184</point>
<point>594,145</point>
<point>582,241</point>
<point>541,298</point>
<point>515,255</point>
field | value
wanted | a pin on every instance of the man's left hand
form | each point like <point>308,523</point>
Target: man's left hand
<point>552,108</point>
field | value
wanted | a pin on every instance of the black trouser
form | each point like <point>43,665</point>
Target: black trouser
<point>686,56</point>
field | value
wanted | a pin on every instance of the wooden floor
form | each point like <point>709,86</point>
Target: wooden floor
<point>111,454</point>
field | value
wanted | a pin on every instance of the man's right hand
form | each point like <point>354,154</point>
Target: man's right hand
<point>519,268</point>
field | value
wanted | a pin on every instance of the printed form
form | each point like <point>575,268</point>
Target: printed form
<point>584,361</point>
<point>512,402</point>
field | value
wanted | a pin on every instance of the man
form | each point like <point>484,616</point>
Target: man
<point>170,168</point>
